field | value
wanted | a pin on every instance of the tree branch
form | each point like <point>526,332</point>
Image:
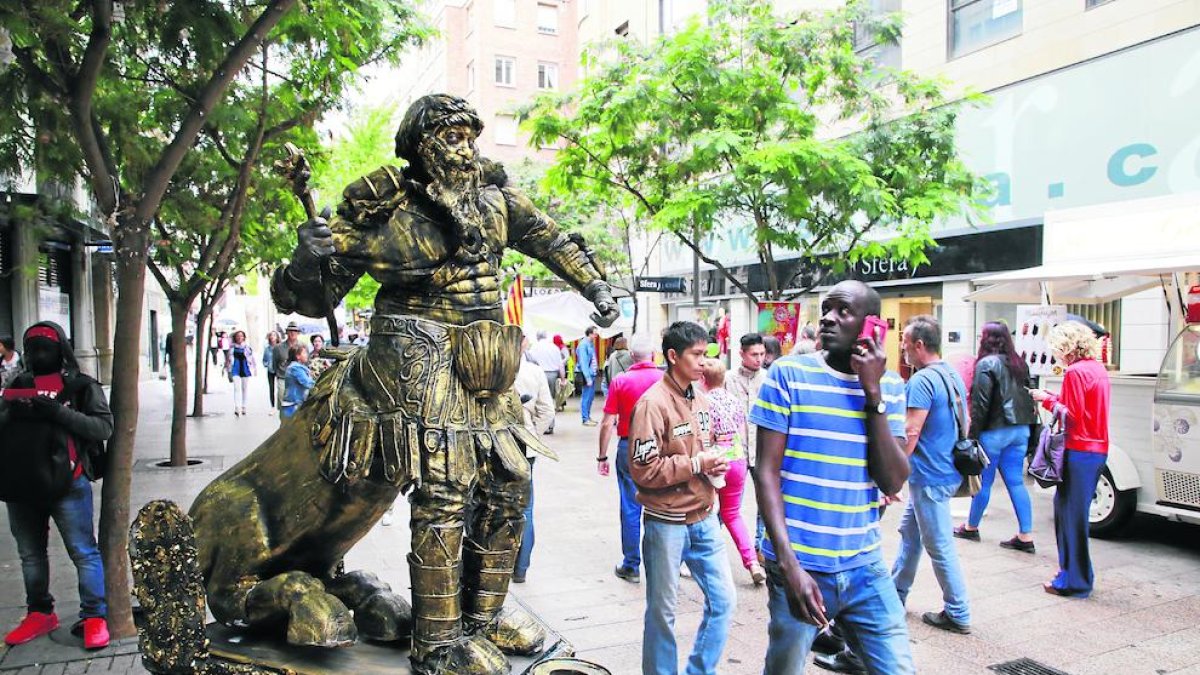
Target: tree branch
<point>44,79</point>
<point>717,264</point>
<point>160,176</point>
<point>82,86</point>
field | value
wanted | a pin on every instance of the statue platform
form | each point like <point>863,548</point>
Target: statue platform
<point>366,657</point>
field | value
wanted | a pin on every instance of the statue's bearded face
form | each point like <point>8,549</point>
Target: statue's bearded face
<point>449,152</point>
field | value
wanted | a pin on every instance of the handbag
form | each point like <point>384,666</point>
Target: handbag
<point>970,486</point>
<point>969,456</point>
<point>1047,465</point>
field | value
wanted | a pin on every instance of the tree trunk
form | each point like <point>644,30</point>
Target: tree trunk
<point>179,386</point>
<point>131,246</point>
<point>203,317</point>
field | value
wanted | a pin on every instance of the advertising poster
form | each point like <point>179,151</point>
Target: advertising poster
<point>1033,325</point>
<point>781,319</point>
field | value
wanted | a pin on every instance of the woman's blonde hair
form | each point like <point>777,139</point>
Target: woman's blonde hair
<point>1074,341</point>
<point>714,373</point>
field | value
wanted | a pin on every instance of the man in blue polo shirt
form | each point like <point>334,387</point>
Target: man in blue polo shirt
<point>830,439</point>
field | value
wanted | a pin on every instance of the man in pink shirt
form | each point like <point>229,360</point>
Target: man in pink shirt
<point>623,394</point>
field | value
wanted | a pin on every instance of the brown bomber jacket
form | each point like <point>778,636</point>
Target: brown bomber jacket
<point>670,429</point>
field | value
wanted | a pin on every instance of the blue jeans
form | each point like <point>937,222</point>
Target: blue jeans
<point>926,523</point>
<point>586,396</point>
<point>631,511</point>
<point>1072,502</point>
<point>702,547</point>
<point>863,600</point>
<point>1005,446</point>
<point>526,550</point>
<point>30,525</point>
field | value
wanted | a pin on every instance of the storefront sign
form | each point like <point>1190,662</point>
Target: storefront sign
<point>661,284</point>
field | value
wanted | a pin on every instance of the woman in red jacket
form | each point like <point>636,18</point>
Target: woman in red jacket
<point>1085,396</point>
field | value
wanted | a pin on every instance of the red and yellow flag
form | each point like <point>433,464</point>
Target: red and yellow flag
<point>514,306</point>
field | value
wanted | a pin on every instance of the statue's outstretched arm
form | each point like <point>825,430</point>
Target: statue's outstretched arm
<point>535,234</point>
<point>320,273</point>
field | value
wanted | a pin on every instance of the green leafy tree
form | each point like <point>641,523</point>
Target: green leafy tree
<point>120,93</point>
<point>773,123</point>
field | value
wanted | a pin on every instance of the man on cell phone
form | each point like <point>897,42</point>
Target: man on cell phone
<point>830,439</point>
<point>55,413</point>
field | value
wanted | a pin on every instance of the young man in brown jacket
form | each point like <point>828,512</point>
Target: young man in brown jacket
<point>671,460</point>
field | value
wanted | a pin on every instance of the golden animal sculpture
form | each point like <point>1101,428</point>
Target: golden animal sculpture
<point>426,408</point>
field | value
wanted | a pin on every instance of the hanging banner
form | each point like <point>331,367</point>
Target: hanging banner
<point>781,319</point>
<point>1033,327</point>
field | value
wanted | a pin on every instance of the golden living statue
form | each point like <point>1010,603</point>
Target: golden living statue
<point>427,406</point>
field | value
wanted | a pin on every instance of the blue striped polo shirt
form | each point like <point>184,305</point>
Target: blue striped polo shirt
<point>830,502</point>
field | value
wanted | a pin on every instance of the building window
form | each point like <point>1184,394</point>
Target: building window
<point>975,24</point>
<point>506,130</point>
<point>867,42</point>
<point>547,76</point>
<point>504,12</point>
<point>471,18</point>
<point>506,67</point>
<point>547,19</point>
<point>1096,3</point>
<point>470,77</point>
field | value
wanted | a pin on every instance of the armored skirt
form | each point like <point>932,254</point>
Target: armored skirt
<point>423,402</point>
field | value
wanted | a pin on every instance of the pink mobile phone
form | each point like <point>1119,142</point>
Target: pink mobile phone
<point>874,327</point>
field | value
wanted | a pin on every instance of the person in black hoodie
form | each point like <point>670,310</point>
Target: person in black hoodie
<point>63,418</point>
<point>1001,414</point>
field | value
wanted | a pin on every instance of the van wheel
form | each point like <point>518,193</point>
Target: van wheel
<point>1111,508</point>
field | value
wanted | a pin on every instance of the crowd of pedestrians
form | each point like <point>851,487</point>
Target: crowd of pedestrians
<point>831,435</point>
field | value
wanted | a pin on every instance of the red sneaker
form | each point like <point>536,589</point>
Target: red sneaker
<point>34,625</point>
<point>95,633</point>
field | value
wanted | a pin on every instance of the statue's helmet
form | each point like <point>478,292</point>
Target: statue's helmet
<point>427,114</point>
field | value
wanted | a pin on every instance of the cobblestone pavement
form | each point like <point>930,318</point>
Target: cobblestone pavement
<point>1144,616</point>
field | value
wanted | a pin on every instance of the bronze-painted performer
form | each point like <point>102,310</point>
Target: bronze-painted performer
<point>427,406</point>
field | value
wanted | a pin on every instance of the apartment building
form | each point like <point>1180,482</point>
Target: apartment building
<point>1091,104</point>
<point>498,54</point>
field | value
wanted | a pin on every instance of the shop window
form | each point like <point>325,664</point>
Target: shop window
<point>548,76</point>
<point>504,13</point>
<point>506,71</point>
<point>547,19</point>
<point>506,130</point>
<point>867,42</point>
<point>975,24</point>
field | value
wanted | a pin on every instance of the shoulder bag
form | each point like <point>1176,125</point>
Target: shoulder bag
<point>1047,465</point>
<point>969,456</point>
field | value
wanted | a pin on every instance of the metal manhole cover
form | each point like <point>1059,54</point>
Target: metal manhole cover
<point>1024,666</point>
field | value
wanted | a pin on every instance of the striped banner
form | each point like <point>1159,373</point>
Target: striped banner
<point>514,306</point>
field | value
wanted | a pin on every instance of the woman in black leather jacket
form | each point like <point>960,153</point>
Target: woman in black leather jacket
<point>1001,414</point>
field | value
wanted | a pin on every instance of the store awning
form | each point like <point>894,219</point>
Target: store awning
<point>1081,282</point>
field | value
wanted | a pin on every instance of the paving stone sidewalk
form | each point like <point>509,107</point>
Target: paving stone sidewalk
<point>1143,618</point>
